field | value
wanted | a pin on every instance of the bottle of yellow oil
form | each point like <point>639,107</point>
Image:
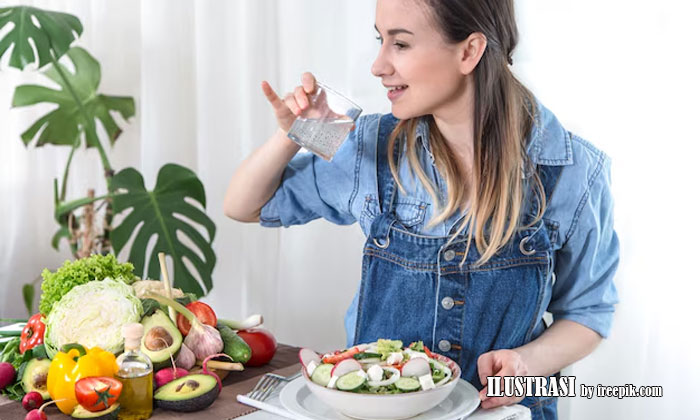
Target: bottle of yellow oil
<point>136,375</point>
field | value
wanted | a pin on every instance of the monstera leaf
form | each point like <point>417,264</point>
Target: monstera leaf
<point>63,125</point>
<point>54,34</point>
<point>163,213</point>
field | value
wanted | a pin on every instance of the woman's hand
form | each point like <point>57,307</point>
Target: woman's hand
<point>293,104</point>
<point>500,363</point>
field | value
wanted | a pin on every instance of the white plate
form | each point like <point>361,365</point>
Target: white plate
<point>299,400</point>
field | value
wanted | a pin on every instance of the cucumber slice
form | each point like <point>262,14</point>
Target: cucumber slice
<point>366,355</point>
<point>407,384</point>
<point>322,374</point>
<point>350,382</point>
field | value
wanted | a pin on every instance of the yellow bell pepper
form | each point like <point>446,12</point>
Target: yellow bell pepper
<point>72,364</point>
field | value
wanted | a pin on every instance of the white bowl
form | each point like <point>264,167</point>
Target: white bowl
<point>385,407</point>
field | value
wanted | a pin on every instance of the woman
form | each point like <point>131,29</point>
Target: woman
<point>481,211</point>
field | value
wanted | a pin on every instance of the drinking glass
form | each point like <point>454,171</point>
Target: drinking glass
<point>324,125</point>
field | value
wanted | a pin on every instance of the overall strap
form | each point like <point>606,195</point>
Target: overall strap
<point>549,177</point>
<point>386,186</point>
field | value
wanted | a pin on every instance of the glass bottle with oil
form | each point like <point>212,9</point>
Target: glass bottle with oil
<point>136,375</point>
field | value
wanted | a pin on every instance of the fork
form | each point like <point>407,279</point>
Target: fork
<point>268,384</point>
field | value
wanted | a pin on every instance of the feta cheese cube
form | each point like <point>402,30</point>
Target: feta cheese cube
<point>375,373</point>
<point>311,368</point>
<point>426,382</point>
<point>394,358</point>
<point>422,355</point>
<point>361,373</point>
<point>332,382</point>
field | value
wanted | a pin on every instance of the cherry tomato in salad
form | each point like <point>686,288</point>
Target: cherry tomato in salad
<point>32,334</point>
<point>204,313</point>
<point>262,345</point>
<point>97,393</point>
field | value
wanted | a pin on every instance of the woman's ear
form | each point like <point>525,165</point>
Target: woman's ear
<point>471,50</point>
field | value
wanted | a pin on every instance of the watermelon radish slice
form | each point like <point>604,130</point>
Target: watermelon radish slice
<point>416,367</point>
<point>346,366</point>
<point>307,356</point>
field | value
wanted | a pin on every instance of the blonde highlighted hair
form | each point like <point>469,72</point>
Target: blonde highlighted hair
<point>504,113</point>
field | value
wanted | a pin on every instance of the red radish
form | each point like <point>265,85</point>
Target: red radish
<point>32,400</point>
<point>7,374</point>
<point>206,371</point>
<point>346,366</point>
<point>416,367</point>
<point>166,375</point>
<point>38,414</point>
<point>307,356</point>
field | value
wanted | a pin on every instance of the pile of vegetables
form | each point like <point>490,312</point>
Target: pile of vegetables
<point>67,352</point>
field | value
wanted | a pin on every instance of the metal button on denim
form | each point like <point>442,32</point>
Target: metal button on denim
<point>449,255</point>
<point>448,303</point>
<point>444,345</point>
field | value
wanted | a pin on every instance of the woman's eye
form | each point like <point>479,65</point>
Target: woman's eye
<point>400,45</point>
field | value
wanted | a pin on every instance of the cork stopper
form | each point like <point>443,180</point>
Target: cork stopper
<point>132,333</point>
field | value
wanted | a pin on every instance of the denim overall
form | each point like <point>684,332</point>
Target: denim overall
<point>413,288</point>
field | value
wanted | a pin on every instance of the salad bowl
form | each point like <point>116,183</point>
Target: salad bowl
<point>384,406</point>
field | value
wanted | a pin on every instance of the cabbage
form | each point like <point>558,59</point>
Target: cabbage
<point>92,314</point>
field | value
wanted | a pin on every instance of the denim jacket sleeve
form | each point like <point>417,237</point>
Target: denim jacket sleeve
<point>313,188</point>
<point>584,291</point>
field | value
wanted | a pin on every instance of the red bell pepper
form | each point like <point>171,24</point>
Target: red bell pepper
<point>341,356</point>
<point>32,333</point>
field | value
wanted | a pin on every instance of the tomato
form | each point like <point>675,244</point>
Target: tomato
<point>97,393</point>
<point>204,313</point>
<point>262,345</point>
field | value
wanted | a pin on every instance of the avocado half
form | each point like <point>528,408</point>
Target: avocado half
<point>34,377</point>
<point>193,392</point>
<point>110,413</point>
<point>161,338</point>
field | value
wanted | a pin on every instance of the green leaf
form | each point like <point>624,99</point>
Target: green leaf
<point>64,125</point>
<point>28,295</point>
<point>155,213</point>
<point>55,33</point>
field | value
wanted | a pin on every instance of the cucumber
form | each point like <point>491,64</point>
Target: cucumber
<point>234,345</point>
<point>408,384</point>
<point>360,356</point>
<point>350,381</point>
<point>322,374</point>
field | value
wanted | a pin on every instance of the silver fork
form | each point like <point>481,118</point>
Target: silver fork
<point>268,384</point>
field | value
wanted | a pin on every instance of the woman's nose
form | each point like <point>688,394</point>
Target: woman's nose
<point>381,67</point>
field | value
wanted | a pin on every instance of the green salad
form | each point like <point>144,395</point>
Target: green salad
<point>382,367</point>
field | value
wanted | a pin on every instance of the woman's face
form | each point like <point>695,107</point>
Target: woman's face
<point>415,63</point>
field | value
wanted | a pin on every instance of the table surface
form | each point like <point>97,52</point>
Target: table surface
<point>226,407</point>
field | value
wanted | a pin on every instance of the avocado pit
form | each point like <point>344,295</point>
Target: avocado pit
<point>158,338</point>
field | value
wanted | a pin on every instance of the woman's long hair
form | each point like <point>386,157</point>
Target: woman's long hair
<point>504,113</point>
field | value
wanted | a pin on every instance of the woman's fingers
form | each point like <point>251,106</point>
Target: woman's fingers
<point>301,98</point>
<point>271,95</point>
<point>308,81</point>
<point>291,103</point>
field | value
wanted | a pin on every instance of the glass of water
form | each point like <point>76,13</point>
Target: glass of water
<point>323,126</point>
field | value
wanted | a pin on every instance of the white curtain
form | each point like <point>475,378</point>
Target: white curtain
<point>621,74</point>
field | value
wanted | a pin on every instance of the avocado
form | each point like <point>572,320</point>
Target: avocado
<point>161,339</point>
<point>110,413</point>
<point>193,392</point>
<point>34,377</point>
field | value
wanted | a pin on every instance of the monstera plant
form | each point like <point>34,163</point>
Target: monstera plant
<point>182,228</point>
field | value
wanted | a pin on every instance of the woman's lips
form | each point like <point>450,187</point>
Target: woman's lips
<point>394,94</point>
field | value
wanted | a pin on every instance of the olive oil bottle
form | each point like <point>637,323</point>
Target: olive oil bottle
<point>136,375</point>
